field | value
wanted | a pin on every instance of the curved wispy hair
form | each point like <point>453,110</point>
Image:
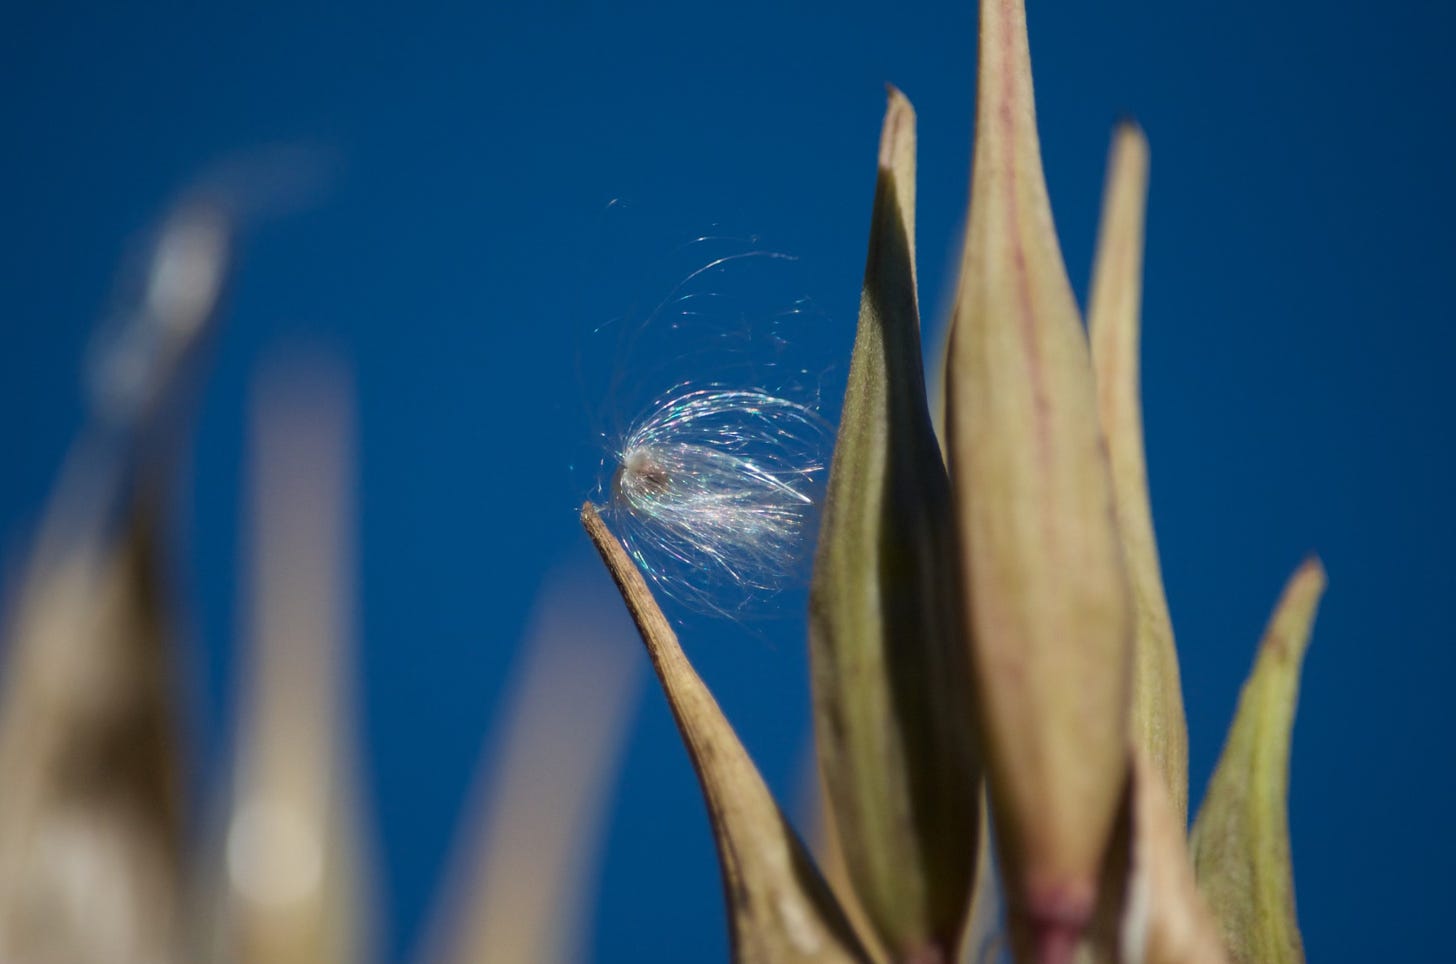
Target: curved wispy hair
<point>713,491</point>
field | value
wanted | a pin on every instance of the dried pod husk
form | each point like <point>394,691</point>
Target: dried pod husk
<point>1047,595</point>
<point>1114,320</point>
<point>779,907</point>
<point>892,688</point>
<point>1241,835</point>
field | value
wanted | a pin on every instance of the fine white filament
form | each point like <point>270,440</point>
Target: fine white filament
<point>713,491</point>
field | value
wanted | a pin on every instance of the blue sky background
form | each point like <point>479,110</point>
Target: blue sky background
<point>1297,355</point>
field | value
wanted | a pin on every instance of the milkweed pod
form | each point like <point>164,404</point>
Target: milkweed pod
<point>779,907</point>
<point>892,690</point>
<point>1114,321</point>
<point>1241,836</point>
<point>1047,596</point>
<point>295,883</point>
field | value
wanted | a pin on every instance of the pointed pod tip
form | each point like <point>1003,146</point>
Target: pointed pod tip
<point>1290,628</point>
<point>591,516</point>
<point>1305,587</point>
<point>1128,128</point>
<point>897,100</point>
<point>897,136</point>
<point>1130,145</point>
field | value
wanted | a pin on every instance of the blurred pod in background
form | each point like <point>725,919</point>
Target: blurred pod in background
<point>91,813</point>
<point>527,862</point>
<point>296,872</point>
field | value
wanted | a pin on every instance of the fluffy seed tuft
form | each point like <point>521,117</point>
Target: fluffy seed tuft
<point>713,491</point>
